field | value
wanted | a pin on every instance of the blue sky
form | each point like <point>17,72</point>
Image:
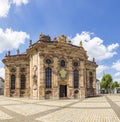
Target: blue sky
<point>96,23</point>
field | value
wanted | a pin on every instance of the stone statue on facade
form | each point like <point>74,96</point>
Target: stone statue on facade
<point>62,39</point>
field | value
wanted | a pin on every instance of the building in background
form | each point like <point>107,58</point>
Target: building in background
<point>1,86</point>
<point>97,86</point>
<point>50,69</point>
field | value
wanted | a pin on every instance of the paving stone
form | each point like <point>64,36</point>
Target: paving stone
<point>28,109</point>
<point>4,116</point>
<point>81,115</point>
<point>96,109</point>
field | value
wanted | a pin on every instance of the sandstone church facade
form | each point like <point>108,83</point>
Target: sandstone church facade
<point>50,70</point>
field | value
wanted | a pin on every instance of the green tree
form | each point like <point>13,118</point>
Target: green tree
<point>112,85</point>
<point>105,82</point>
<point>116,84</point>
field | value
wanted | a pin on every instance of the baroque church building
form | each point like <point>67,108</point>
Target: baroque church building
<point>50,70</point>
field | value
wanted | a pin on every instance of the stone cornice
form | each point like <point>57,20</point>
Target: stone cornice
<point>14,58</point>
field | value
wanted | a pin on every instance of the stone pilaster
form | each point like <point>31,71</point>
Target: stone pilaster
<point>39,75</point>
<point>27,81</point>
<point>7,82</point>
<point>82,79</point>
<point>94,82</point>
<point>81,83</point>
<point>85,81</point>
<point>70,89</point>
<point>42,79</point>
<point>55,92</point>
<point>31,76</point>
<point>17,83</point>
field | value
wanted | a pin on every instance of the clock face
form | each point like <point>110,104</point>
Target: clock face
<point>63,73</point>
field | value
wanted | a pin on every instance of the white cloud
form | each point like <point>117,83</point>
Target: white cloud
<point>11,39</point>
<point>112,46</point>
<point>95,47</point>
<point>101,69</point>
<point>19,2</point>
<point>117,79</point>
<point>4,8</point>
<point>2,73</point>
<point>6,4</point>
<point>117,74</point>
<point>116,65</point>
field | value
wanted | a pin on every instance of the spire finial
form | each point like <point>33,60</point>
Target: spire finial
<point>93,59</point>
<point>69,41</point>
<point>8,53</point>
<point>30,43</point>
<point>81,43</point>
<point>18,51</point>
<point>55,39</point>
<point>41,35</point>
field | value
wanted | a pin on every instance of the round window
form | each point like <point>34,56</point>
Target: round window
<point>13,70</point>
<point>75,64</point>
<point>48,61</point>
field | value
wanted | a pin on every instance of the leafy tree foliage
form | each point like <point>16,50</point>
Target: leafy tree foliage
<point>106,81</point>
<point>114,85</point>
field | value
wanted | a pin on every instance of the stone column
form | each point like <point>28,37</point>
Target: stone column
<point>35,76</point>
<point>55,84</point>
<point>81,83</point>
<point>42,78</point>
<point>31,75</point>
<point>39,75</point>
<point>94,81</point>
<point>82,80</point>
<point>7,85</point>
<point>27,81</point>
<point>85,81</point>
<point>17,83</point>
<point>70,89</point>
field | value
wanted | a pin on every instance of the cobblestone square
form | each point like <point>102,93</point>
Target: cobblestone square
<point>97,109</point>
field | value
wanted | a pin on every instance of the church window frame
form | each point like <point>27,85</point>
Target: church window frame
<point>48,61</point>
<point>63,63</point>
<point>75,64</point>
<point>23,82</point>
<point>91,79</point>
<point>13,70</point>
<point>76,78</point>
<point>48,77</point>
<point>13,81</point>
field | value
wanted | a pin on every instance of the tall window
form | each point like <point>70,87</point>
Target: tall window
<point>23,81</point>
<point>91,79</point>
<point>48,77</point>
<point>76,78</point>
<point>62,63</point>
<point>13,82</point>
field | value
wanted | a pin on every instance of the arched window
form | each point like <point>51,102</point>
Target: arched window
<point>13,82</point>
<point>23,81</point>
<point>91,79</point>
<point>48,77</point>
<point>62,63</point>
<point>76,78</point>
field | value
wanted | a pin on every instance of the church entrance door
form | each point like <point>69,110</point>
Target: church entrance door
<point>63,91</point>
